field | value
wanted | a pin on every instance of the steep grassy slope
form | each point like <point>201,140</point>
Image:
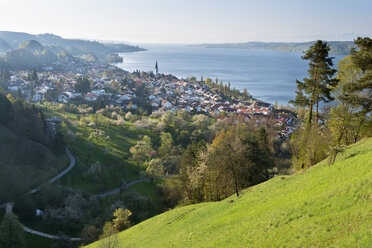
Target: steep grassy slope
<point>325,206</point>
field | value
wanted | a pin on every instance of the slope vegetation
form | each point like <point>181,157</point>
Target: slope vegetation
<point>325,206</point>
<point>24,164</point>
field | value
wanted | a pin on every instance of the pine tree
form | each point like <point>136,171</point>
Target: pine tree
<point>318,86</point>
<point>359,93</point>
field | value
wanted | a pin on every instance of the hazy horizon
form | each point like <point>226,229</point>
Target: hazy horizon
<point>190,22</point>
<point>185,43</point>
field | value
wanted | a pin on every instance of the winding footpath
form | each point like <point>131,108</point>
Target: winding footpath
<point>117,190</point>
<point>9,206</point>
<point>64,172</point>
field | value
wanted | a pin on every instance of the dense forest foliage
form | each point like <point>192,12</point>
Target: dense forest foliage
<point>27,147</point>
<point>326,132</point>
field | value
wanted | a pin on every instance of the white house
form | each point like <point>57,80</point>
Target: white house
<point>90,97</point>
<point>63,98</point>
<point>13,88</point>
<point>38,97</point>
<point>72,94</point>
<point>154,104</point>
<point>166,104</point>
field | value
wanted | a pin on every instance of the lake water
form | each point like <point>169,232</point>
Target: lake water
<point>268,75</point>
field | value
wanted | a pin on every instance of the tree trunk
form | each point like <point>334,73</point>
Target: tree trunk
<point>236,188</point>
<point>317,110</point>
<point>315,90</point>
<point>358,130</point>
<point>309,120</point>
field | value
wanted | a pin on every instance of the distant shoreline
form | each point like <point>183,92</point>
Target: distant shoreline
<point>337,47</point>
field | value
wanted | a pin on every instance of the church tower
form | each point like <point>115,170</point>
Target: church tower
<point>156,69</point>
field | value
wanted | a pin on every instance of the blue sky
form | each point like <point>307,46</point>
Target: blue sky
<point>190,21</point>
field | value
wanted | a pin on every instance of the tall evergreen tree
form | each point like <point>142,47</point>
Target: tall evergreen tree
<point>360,92</point>
<point>82,85</point>
<point>318,86</point>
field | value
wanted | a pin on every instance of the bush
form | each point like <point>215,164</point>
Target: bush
<point>310,146</point>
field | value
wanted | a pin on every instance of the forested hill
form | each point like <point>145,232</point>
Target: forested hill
<point>29,152</point>
<point>325,206</point>
<point>12,40</point>
<point>337,47</point>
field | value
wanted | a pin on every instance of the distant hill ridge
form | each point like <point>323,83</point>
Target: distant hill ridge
<point>30,54</point>
<point>25,51</point>
<point>337,47</point>
<point>12,40</point>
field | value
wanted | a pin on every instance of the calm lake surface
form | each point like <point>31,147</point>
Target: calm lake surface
<point>268,75</point>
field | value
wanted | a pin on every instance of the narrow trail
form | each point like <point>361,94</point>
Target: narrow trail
<point>46,235</point>
<point>64,172</point>
<point>9,205</point>
<point>117,190</point>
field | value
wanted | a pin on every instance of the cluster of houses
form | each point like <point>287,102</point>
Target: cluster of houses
<point>164,93</point>
<point>182,95</point>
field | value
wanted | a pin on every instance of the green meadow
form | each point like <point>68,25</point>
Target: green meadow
<point>324,206</point>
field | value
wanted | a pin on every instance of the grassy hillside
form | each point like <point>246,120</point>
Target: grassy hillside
<point>325,206</point>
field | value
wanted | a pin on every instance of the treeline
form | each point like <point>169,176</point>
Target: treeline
<point>24,142</point>
<point>26,121</point>
<point>225,90</point>
<point>325,130</point>
<point>227,160</point>
<point>22,118</point>
<point>211,158</point>
<point>236,159</point>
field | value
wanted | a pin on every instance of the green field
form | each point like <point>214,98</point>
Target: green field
<point>325,206</point>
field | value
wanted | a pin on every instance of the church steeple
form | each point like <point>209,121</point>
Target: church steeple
<point>156,68</point>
